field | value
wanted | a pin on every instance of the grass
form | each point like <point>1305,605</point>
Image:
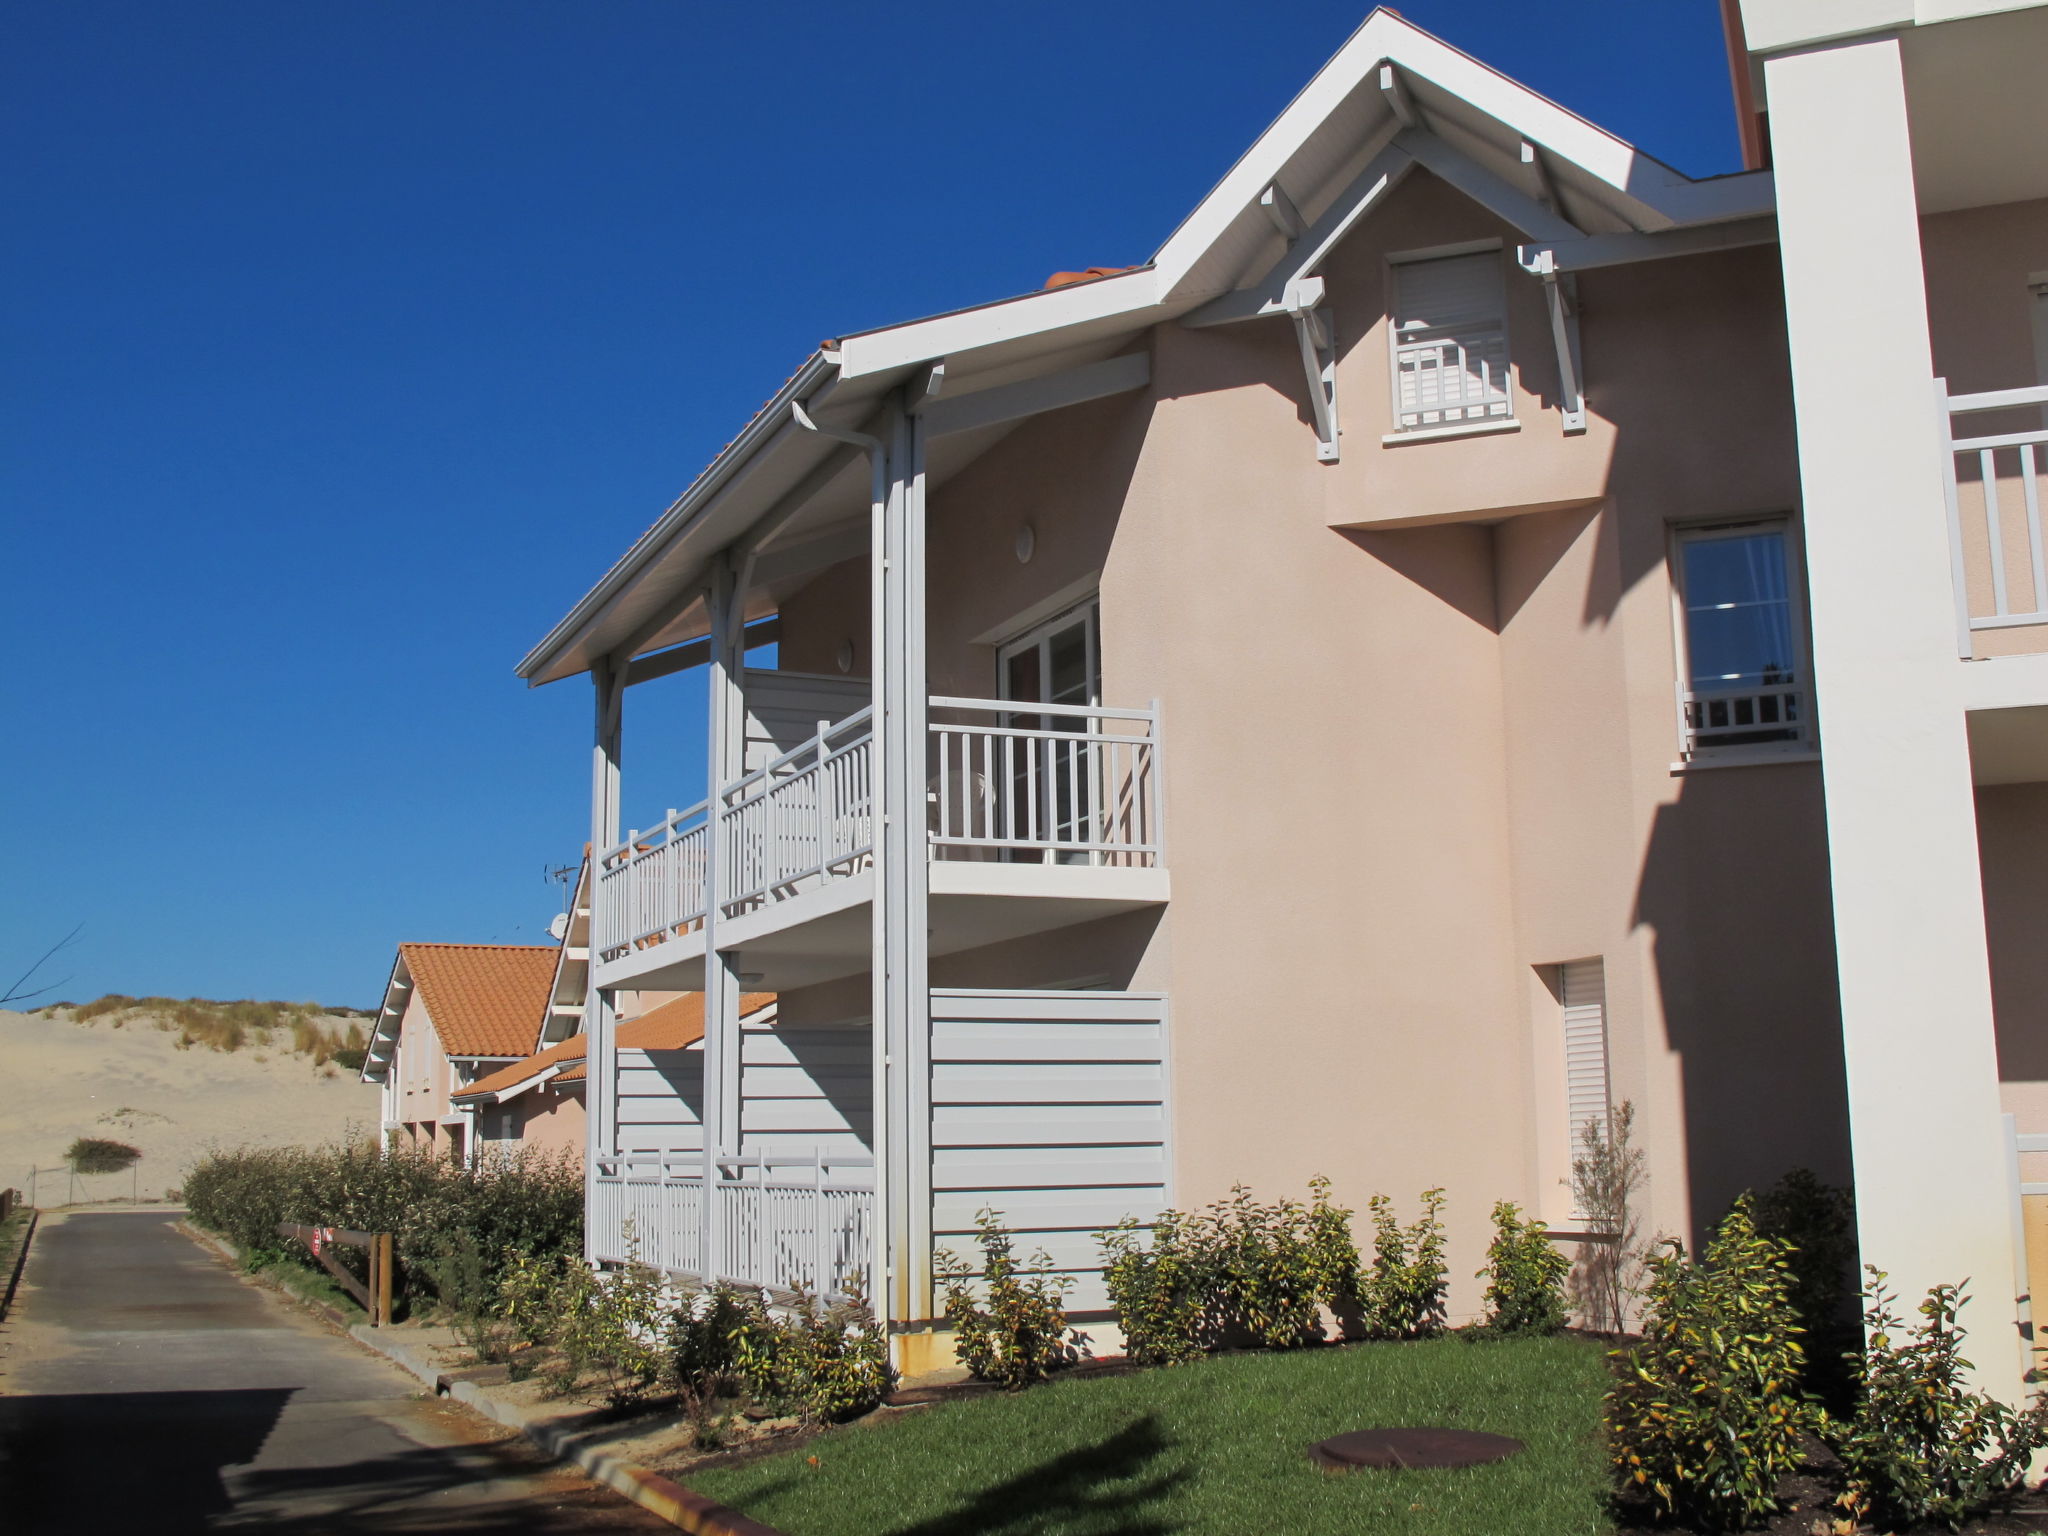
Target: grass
<point>1211,1448</point>
<point>229,1026</point>
<point>309,1285</point>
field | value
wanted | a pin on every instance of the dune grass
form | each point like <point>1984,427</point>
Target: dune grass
<point>1211,1448</point>
<point>303,1028</point>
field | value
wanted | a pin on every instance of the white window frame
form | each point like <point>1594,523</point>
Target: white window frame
<point>1803,743</point>
<point>1089,612</point>
<point>1502,420</point>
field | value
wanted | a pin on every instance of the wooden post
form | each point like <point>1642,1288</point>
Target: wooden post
<point>381,1262</point>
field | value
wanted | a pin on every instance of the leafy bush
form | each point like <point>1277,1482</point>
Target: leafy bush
<point>832,1362</point>
<point>1018,1333</point>
<point>1404,1294</point>
<point>511,1202</point>
<point>1706,1414</point>
<point>1922,1446</point>
<point>468,1292</point>
<point>1608,1173</point>
<point>89,1154</point>
<point>529,1295</point>
<point>1818,1222</point>
<point>1160,1289</point>
<point>614,1324</point>
<point>1243,1271</point>
<point>1524,1276</point>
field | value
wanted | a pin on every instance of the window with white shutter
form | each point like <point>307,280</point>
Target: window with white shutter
<point>1450,338</point>
<point>1582,999</point>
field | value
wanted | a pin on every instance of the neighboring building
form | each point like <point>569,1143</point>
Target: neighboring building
<point>1369,690</point>
<point>451,1014</point>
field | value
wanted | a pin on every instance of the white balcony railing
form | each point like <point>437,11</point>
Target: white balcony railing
<point>1007,782</point>
<point>1764,716</point>
<point>651,887</point>
<point>1996,485</point>
<point>1048,783</point>
<point>800,821</point>
<point>1451,375</point>
<point>785,1221</point>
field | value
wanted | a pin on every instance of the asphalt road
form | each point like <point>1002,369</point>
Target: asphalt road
<point>145,1388</point>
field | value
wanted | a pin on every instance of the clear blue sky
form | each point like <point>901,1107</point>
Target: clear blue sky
<point>346,344</point>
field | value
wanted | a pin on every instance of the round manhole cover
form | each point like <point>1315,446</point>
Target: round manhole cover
<point>1411,1448</point>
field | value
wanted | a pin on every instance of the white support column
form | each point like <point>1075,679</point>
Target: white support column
<point>902,998</point>
<point>601,1121</point>
<point>1909,922</point>
<point>724,736</point>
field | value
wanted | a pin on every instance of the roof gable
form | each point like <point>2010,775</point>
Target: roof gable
<point>482,998</point>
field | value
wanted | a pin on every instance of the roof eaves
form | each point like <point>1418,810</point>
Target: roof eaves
<point>813,373</point>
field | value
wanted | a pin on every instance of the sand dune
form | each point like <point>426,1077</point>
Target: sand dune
<point>132,1082</point>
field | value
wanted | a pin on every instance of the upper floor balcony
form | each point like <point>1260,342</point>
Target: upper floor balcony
<point>1996,466</point>
<point>1037,817</point>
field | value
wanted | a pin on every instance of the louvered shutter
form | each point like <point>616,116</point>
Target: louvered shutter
<point>1450,341</point>
<point>1582,989</point>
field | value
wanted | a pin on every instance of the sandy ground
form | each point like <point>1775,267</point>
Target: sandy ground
<point>60,1080</point>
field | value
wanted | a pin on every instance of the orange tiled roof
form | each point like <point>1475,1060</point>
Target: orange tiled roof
<point>679,1023</point>
<point>574,1074</point>
<point>519,1072</point>
<point>1085,275</point>
<point>483,998</point>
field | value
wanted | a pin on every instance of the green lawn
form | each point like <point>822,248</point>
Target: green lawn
<point>1217,1448</point>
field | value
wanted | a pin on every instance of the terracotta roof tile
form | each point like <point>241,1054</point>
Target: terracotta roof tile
<point>483,998</point>
<point>679,1023</point>
<point>575,1074</point>
<point>1085,275</point>
<point>519,1072</point>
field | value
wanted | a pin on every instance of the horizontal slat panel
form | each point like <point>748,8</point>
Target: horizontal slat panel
<point>777,1051</point>
<point>645,1080</point>
<point>1090,1083</point>
<point>988,1125</point>
<point>1070,1251</point>
<point>787,1115</point>
<point>1031,1209</point>
<point>797,1083</point>
<point>834,1143</point>
<point>1047,1167</point>
<point>1010,1041</point>
<point>1051,1007</point>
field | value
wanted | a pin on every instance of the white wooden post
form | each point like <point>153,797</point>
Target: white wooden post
<point>601,1123</point>
<point>725,729</point>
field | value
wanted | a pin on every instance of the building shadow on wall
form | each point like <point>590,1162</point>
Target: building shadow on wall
<point>1735,891</point>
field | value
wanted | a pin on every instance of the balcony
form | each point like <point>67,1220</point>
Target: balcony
<point>1996,483</point>
<point>1039,816</point>
<point>790,1222</point>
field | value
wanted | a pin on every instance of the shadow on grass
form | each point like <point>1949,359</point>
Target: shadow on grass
<point>1069,1492</point>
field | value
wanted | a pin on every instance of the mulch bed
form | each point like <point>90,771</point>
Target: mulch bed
<point>1810,1508</point>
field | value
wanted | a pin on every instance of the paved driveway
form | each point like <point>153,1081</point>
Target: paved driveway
<point>144,1388</point>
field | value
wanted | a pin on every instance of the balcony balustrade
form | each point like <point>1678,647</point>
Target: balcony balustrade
<point>1006,783</point>
<point>789,1222</point>
<point>1996,484</point>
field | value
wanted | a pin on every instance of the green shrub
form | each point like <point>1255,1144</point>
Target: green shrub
<point>1818,1222</point>
<point>1016,1333</point>
<point>511,1202</point>
<point>90,1154</point>
<point>1524,1276</point>
<point>1160,1289</point>
<point>615,1324</point>
<point>1333,1257</point>
<point>720,1339</point>
<point>529,1295</point>
<point>1263,1271</point>
<point>834,1360</point>
<point>468,1293</point>
<point>1404,1294</point>
<point>1608,1173</point>
<point>1922,1446</point>
<point>1706,1414</point>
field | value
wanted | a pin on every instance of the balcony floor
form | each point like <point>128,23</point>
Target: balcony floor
<point>826,933</point>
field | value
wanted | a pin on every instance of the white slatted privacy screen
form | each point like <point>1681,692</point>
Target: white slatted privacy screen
<point>1582,994</point>
<point>1049,1107</point>
<point>1450,341</point>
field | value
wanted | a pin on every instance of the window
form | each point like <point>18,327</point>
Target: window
<point>1582,1005</point>
<point>1052,782</point>
<point>1742,638</point>
<point>1450,339</point>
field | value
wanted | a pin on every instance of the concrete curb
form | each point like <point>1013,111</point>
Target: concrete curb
<point>20,1261</point>
<point>556,1433</point>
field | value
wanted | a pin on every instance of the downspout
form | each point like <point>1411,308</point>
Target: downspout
<point>882,1273</point>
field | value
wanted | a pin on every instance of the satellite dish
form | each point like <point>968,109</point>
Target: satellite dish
<point>559,926</point>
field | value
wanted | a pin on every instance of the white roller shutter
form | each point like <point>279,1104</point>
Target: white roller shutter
<point>1450,341</point>
<point>1582,992</point>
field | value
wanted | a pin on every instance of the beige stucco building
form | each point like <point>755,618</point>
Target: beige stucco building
<point>1432,655</point>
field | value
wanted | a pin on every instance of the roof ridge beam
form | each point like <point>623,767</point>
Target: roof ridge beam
<point>1483,187</point>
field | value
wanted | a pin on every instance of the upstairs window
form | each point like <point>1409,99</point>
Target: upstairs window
<point>1744,684</point>
<point>1450,338</point>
